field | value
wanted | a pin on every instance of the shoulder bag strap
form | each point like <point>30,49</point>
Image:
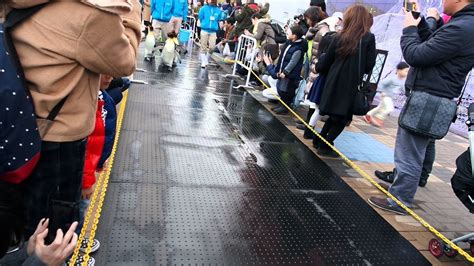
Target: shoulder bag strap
<point>52,115</point>
<point>360,63</point>
<point>464,89</point>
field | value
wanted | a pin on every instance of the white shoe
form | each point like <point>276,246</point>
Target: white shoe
<point>204,60</point>
<point>95,245</point>
<point>80,261</point>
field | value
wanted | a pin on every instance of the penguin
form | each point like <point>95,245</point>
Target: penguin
<point>150,42</point>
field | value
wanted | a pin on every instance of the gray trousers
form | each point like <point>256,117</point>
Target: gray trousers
<point>410,152</point>
<point>427,163</point>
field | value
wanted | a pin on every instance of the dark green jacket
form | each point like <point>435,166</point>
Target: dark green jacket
<point>244,18</point>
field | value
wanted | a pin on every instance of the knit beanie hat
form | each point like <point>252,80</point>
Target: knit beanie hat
<point>320,3</point>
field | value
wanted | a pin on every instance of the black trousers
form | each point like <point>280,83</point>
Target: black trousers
<point>287,94</point>
<point>56,178</point>
<point>463,182</point>
<point>333,127</point>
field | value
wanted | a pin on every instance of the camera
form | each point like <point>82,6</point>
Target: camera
<point>299,17</point>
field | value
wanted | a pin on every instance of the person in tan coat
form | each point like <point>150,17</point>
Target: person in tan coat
<point>262,30</point>
<point>63,49</point>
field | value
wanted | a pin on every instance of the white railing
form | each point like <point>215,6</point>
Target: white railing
<point>193,22</point>
<point>244,58</point>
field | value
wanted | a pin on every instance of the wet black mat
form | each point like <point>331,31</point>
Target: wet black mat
<point>206,175</point>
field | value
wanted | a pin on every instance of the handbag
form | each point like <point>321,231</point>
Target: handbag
<point>361,102</point>
<point>427,115</point>
<point>226,51</point>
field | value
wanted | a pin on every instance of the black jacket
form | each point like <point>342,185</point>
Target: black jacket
<point>441,59</point>
<point>344,74</point>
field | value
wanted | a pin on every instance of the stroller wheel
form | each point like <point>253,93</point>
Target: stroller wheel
<point>450,252</point>
<point>435,247</point>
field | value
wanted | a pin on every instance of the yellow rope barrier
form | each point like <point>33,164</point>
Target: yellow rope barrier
<point>99,194</point>
<point>368,177</point>
<point>101,188</point>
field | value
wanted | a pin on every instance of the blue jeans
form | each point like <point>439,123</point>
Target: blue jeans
<point>83,204</point>
<point>410,152</point>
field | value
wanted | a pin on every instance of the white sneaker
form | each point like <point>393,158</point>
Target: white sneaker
<point>94,248</point>
<point>204,60</point>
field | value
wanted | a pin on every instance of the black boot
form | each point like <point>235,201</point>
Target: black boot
<point>281,110</point>
<point>326,151</point>
<point>276,107</point>
<point>387,176</point>
<point>316,141</point>
<point>308,134</point>
<point>300,125</point>
<point>422,182</point>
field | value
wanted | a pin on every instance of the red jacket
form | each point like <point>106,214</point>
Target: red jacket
<point>95,144</point>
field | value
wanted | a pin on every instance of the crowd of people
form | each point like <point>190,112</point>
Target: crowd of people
<point>75,82</point>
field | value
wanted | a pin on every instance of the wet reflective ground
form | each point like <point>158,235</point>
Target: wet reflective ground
<point>204,175</point>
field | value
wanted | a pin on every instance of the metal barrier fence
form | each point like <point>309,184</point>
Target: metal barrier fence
<point>244,58</point>
<point>192,21</point>
<point>190,24</point>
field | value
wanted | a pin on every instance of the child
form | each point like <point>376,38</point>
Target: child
<point>288,69</point>
<point>99,145</point>
<point>389,88</point>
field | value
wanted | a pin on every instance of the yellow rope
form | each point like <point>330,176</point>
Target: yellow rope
<point>105,175</point>
<point>367,176</point>
<point>99,193</point>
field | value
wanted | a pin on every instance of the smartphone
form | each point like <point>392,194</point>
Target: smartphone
<point>61,215</point>
<point>411,7</point>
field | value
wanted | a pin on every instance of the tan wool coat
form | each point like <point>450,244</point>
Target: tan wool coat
<point>63,49</point>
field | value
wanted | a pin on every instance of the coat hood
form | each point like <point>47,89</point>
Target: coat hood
<point>331,22</point>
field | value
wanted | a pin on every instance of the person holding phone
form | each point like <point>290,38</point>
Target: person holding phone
<point>440,61</point>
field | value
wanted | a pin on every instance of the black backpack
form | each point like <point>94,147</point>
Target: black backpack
<point>280,35</point>
<point>20,141</point>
